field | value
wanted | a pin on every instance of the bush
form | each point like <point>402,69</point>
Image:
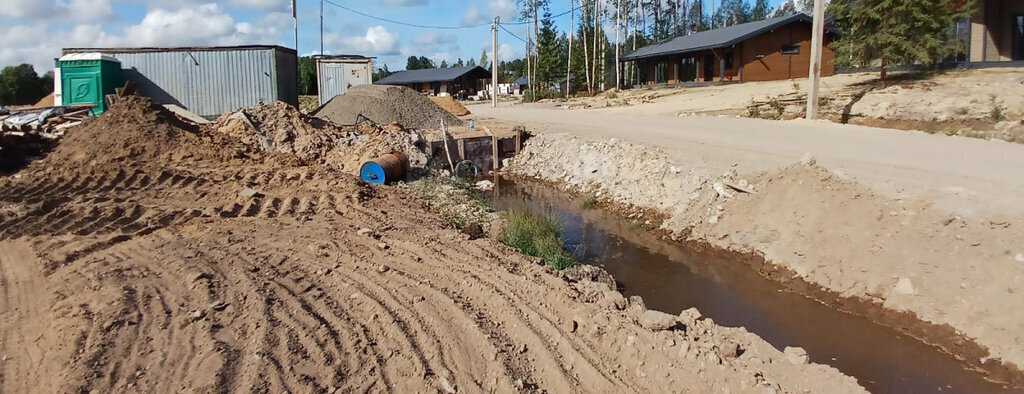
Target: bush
<point>538,236</point>
<point>590,201</point>
<point>778,106</point>
<point>998,111</point>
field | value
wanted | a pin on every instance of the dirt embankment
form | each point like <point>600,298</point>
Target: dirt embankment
<point>822,231</point>
<point>182,260</point>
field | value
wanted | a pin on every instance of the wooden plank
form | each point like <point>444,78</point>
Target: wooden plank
<point>494,151</point>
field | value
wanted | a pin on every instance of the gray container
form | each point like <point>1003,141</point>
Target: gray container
<point>336,74</point>
<point>209,81</point>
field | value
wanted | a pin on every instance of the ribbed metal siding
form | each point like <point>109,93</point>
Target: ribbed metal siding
<point>334,77</point>
<point>207,83</point>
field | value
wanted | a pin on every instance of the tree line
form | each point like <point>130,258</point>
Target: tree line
<point>21,85</point>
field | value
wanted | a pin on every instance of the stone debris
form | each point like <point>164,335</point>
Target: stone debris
<point>796,355</point>
<point>657,321</point>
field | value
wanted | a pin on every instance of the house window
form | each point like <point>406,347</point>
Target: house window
<point>790,49</point>
<point>661,72</point>
<point>728,61</point>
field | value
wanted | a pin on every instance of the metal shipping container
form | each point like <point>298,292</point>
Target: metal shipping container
<point>336,74</point>
<point>209,81</point>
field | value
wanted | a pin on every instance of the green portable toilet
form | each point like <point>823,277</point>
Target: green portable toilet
<point>87,77</point>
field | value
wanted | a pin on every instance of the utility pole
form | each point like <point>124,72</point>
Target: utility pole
<point>568,67</point>
<point>494,63</point>
<point>295,18</point>
<point>817,38</point>
<point>321,27</point>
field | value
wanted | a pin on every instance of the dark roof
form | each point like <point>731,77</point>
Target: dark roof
<point>176,49</point>
<point>522,81</point>
<point>433,75</point>
<point>718,38</point>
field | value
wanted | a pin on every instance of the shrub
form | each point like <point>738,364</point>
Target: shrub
<point>778,106</point>
<point>538,236</point>
<point>998,113</point>
<point>590,201</point>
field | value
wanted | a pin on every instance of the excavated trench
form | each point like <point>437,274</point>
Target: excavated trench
<point>671,277</point>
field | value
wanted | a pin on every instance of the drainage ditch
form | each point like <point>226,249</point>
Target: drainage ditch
<point>671,277</point>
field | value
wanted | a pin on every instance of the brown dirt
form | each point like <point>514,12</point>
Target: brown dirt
<point>386,104</point>
<point>139,268</point>
<point>451,105</point>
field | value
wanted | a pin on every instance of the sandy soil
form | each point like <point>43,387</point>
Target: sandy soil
<point>824,229</point>
<point>166,271</point>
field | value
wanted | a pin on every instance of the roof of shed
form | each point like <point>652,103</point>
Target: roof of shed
<point>718,38</point>
<point>433,75</point>
<point>177,49</point>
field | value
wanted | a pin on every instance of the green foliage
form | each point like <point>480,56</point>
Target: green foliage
<point>590,201</point>
<point>460,63</point>
<point>444,63</point>
<point>998,112</point>
<point>538,236</point>
<point>381,73</point>
<point>551,56</point>
<point>754,109</point>
<point>307,76</point>
<point>696,17</point>
<point>761,11</point>
<point>778,107</point>
<point>732,12</point>
<point>20,85</point>
<point>419,63</point>
<point>897,31</point>
<point>787,8</point>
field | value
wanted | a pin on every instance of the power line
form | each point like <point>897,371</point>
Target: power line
<point>501,25</point>
<point>404,23</point>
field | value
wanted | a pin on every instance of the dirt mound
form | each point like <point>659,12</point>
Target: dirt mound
<point>386,139</point>
<point>134,130</point>
<point>386,104</point>
<point>450,104</point>
<point>279,128</point>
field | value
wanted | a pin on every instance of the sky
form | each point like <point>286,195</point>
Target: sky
<point>34,31</point>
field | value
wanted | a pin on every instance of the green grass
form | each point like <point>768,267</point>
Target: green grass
<point>998,113</point>
<point>590,201</point>
<point>538,236</point>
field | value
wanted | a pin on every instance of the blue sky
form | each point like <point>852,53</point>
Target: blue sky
<point>34,31</point>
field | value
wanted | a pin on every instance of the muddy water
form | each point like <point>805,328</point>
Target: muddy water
<point>671,278</point>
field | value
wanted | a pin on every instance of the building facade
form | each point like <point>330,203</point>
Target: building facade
<point>997,31</point>
<point>768,50</point>
<point>454,81</point>
<point>209,81</point>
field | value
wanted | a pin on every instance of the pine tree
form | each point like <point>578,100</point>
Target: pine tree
<point>807,6</point>
<point>898,31</point>
<point>787,8</point>
<point>761,11</point>
<point>550,53</point>
<point>471,63</point>
<point>444,63</point>
<point>459,63</point>
<point>732,12</point>
<point>697,19</point>
<point>483,59</point>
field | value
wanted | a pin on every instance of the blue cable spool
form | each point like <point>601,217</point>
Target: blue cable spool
<point>384,169</point>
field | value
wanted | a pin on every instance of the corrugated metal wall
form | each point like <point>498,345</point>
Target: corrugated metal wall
<point>335,76</point>
<point>212,82</point>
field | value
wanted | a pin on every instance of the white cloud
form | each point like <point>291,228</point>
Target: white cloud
<point>434,38</point>
<point>268,5</point>
<point>473,16</point>
<point>504,9</point>
<point>82,11</point>
<point>28,9</point>
<point>377,41</point>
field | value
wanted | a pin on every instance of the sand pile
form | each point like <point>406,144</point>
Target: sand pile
<point>386,104</point>
<point>134,130</point>
<point>450,104</point>
<point>279,128</point>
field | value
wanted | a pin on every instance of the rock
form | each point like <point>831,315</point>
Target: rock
<point>364,231</point>
<point>713,219</point>
<point>713,359</point>
<point>219,305</point>
<point>729,351</point>
<point>448,386</point>
<point>612,299</point>
<point>196,314</point>
<point>383,268</point>
<point>190,253</point>
<point>657,321</point>
<point>796,355</point>
<point>484,185</point>
<point>637,301</point>
<point>249,193</point>
<point>1019,257</point>
<point>903,287</point>
<point>720,189</point>
<point>573,325</point>
<point>684,349</point>
<point>808,160</point>
<point>382,246</point>
<point>689,316</point>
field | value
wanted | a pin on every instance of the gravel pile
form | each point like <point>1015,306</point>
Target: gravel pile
<point>386,104</point>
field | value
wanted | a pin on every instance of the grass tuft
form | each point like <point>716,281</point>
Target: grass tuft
<point>590,201</point>
<point>538,236</point>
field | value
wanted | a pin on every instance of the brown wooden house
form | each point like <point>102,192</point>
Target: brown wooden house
<point>767,50</point>
<point>997,31</point>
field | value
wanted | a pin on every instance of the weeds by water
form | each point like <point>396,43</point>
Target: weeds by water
<point>454,199</point>
<point>590,201</point>
<point>538,236</point>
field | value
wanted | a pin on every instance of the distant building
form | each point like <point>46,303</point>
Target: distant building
<point>436,81</point>
<point>208,81</point>
<point>336,74</point>
<point>772,49</point>
<point>997,31</point>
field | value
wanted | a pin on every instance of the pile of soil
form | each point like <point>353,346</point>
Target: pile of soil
<point>279,128</point>
<point>386,104</point>
<point>450,104</point>
<point>135,130</point>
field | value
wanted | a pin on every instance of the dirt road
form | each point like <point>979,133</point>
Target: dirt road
<point>172,262</point>
<point>963,175</point>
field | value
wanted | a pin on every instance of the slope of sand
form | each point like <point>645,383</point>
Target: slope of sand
<point>177,272</point>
